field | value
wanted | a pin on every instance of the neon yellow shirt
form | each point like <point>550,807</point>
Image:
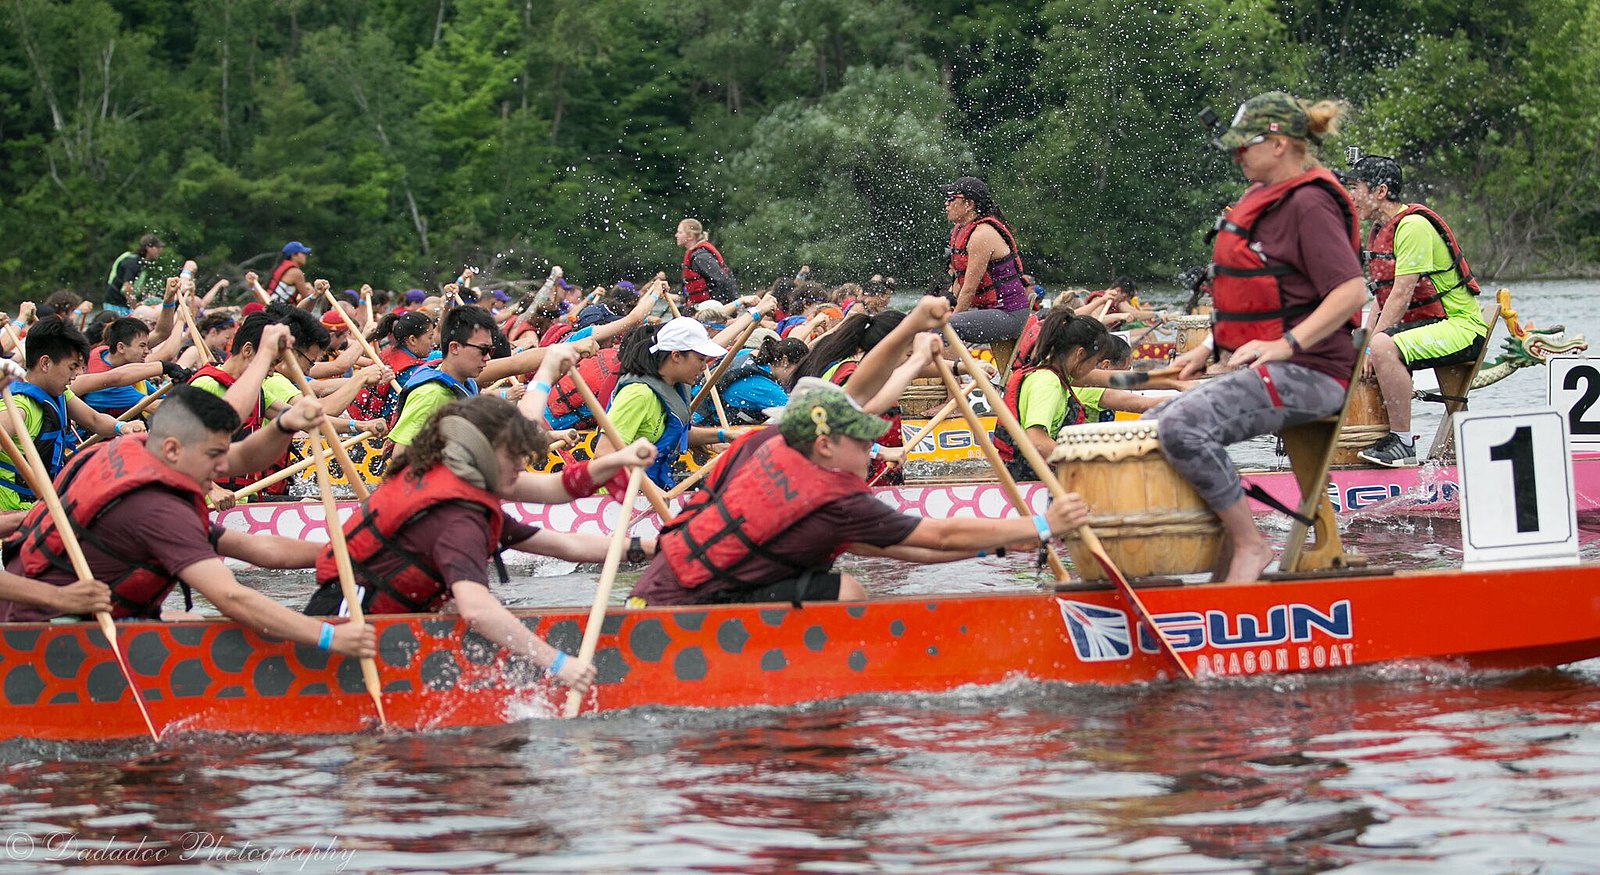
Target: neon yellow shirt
<point>1419,249</point>
<point>637,413</point>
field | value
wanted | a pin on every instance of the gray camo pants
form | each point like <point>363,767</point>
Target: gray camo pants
<point>1198,426</point>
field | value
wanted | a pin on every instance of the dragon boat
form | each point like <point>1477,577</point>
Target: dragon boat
<point>60,682</point>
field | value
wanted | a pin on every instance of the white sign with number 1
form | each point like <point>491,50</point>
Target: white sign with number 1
<point>1517,508</point>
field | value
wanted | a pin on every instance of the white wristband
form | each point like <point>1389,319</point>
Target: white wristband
<point>1209,342</point>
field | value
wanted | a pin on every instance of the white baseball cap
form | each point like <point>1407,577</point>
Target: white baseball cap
<point>686,334</point>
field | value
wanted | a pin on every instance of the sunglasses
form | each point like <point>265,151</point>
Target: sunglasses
<point>1257,140</point>
<point>951,197</point>
<point>485,349</point>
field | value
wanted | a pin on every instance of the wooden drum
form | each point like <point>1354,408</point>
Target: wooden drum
<point>922,397</point>
<point>1365,422</point>
<point>1150,520</point>
<point>1191,330</point>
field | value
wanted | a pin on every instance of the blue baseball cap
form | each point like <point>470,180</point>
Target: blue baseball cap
<point>501,296</point>
<point>295,247</point>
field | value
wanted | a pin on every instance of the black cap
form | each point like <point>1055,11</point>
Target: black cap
<point>967,186</point>
<point>1375,170</point>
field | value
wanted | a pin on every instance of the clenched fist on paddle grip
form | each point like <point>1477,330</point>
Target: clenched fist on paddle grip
<point>350,639</point>
<point>1066,514</point>
<point>82,597</point>
<point>576,674</point>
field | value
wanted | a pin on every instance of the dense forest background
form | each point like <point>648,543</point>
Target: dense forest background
<point>404,138</point>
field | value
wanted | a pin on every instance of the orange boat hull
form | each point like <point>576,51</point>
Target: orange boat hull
<point>60,682</point>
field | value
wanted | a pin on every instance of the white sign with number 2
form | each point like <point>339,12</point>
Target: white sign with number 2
<point>1517,501</point>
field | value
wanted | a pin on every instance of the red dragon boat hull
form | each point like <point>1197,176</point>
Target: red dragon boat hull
<point>61,682</point>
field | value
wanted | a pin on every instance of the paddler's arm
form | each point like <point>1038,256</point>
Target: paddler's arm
<point>335,402</point>
<point>255,611</point>
<point>97,422</point>
<point>527,361</point>
<point>575,548</point>
<point>167,318</point>
<point>245,393</point>
<point>910,554</point>
<point>1344,301</point>
<point>924,347</point>
<point>557,360</point>
<point>880,362</point>
<point>80,597</point>
<point>484,613</point>
<point>1394,309</point>
<point>267,444</point>
<point>552,488</point>
<point>121,375</point>
<point>268,551</point>
<point>971,535</point>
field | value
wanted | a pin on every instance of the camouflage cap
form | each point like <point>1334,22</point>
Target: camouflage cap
<point>818,407</point>
<point>1275,112</point>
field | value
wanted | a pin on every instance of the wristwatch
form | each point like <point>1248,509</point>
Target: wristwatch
<point>635,551</point>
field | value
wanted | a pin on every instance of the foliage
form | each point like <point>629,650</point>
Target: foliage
<point>402,139</point>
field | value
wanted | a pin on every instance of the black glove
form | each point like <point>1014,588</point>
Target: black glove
<point>176,372</point>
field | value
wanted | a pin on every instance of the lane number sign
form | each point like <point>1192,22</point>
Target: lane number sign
<point>1517,501</point>
<point>1575,391</point>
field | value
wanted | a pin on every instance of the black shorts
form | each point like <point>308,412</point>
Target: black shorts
<point>816,585</point>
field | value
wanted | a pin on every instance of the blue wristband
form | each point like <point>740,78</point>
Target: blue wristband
<point>541,386</point>
<point>722,436</point>
<point>116,426</point>
<point>1043,528</point>
<point>557,663</point>
<point>325,641</point>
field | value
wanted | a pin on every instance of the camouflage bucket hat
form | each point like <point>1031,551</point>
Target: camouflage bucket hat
<point>1275,112</point>
<point>818,407</point>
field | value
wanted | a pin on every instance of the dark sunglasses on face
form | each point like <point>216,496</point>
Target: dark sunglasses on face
<point>484,348</point>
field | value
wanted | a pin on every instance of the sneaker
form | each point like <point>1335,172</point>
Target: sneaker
<point>1390,452</point>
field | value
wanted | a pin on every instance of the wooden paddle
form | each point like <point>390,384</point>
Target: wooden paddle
<point>651,491</point>
<point>131,413</point>
<point>360,338</point>
<point>341,559</point>
<point>194,333</point>
<point>1019,437</point>
<point>712,376</point>
<point>352,475</point>
<point>687,484</point>
<point>602,593</point>
<point>981,436</point>
<point>32,469</point>
<point>917,438</point>
<point>296,468</point>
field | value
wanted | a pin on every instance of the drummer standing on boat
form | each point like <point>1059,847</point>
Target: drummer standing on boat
<point>1288,284</point>
<point>992,299</point>
<point>705,274</point>
<point>1424,315</point>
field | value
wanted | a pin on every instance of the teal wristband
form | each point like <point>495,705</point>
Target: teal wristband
<point>325,641</point>
<point>1043,527</point>
<point>557,663</point>
<point>116,426</point>
<point>722,436</point>
<point>541,386</point>
<point>171,306</point>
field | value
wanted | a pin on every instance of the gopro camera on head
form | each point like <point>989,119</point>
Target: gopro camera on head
<point>1208,117</point>
<point>1352,154</point>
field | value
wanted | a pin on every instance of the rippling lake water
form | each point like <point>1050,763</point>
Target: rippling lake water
<point>1416,768</point>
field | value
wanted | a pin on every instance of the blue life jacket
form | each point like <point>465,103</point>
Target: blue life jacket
<point>51,440</point>
<point>674,440</point>
<point>422,376</point>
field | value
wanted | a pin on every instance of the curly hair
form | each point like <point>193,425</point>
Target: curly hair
<point>499,420</point>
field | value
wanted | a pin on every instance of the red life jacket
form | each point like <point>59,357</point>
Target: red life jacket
<point>373,401</point>
<point>1012,398</point>
<point>1379,258</point>
<point>696,287</point>
<point>1028,340</point>
<point>557,331</point>
<point>1246,296</point>
<point>1009,268</point>
<point>98,478</point>
<point>377,526</point>
<point>278,291</point>
<point>248,426</point>
<point>738,514</point>
<point>601,373</point>
<point>892,437</point>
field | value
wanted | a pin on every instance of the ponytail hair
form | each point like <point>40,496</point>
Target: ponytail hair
<point>772,351</point>
<point>857,333</point>
<point>1063,333</point>
<point>634,356</point>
